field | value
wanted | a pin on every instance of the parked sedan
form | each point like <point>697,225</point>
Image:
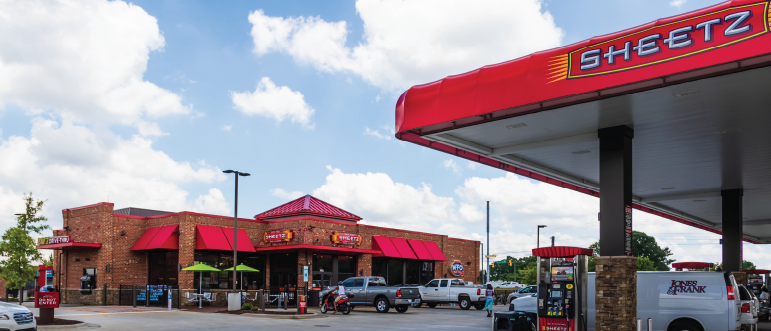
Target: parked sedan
<point>523,292</point>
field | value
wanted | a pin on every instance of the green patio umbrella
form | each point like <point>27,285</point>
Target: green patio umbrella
<point>201,268</point>
<point>242,268</point>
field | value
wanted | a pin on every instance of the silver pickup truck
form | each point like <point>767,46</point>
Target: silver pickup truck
<point>449,290</point>
<point>373,291</point>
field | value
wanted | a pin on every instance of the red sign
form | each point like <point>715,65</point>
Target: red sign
<point>53,240</point>
<point>277,236</point>
<point>457,268</point>
<point>670,41</point>
<point>46,299</point>
<point>556,324</point>
<point>346,238</point>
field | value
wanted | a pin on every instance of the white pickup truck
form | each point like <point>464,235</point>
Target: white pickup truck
<point>450,290</point>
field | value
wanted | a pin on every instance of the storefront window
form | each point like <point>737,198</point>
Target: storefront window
<point>283,271</point>
<point>380,267</point>
<point>346,267</point>
<point>322,263</point>
<point>426,272</point>
<point>395,272</point>
<point>163,267</point>
<point>222,261</point>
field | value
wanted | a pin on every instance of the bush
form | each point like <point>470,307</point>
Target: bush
<point>247,306</point>
<point>255,308</point>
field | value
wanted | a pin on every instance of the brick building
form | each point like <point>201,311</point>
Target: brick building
<point>100,246</point>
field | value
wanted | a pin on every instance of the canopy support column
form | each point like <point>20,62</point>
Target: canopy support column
<point>616,190</point>
<point>732,229</point>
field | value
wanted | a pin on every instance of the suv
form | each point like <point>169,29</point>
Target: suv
<point>523,292</point>
<point>749,307</point>
<point>15,317</point>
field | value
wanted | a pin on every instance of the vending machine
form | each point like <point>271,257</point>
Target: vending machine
<point>562,275</point>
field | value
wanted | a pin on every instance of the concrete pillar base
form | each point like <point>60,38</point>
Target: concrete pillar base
<point>741,278</point>
<point>616,293</point>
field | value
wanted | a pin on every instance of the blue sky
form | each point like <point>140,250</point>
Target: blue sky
<point>139,104</point>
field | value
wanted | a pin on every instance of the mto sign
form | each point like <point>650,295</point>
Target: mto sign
<point>46,299</point>
<point>346,238</point>
<point>53,240</point>
<point>665,42</point>
<point>457,268</point>
<point>276,236</point>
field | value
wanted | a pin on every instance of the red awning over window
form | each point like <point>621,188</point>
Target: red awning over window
<point>218,238</point>
<point>404,248</point>
<point>384,245</point>
<point>420,249</point>
<point>159,237</point>
<point>434,250</point>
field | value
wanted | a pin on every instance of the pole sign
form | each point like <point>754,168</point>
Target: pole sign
<point>168,298</point>
<point>305,274</point>
<point>53,240</point>
<point>457,268</point>
<point>671,41</point>
<point>277,236</point>
<point>46,299</point>
<point>628,230</point>
<point>346,238</point>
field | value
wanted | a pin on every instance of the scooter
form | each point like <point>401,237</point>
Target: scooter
<point>343,306</point>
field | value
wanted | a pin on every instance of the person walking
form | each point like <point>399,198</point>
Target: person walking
<point>490,294</point>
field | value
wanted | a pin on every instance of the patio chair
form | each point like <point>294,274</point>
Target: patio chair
<point>190,297</point>
<point>207,296</point>
<point>212,296</point>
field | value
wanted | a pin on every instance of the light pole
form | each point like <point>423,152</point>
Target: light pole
<point>538,235</point>
<point>235,227</point>
<point>488,242</point>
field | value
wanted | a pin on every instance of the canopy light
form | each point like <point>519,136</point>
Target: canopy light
<point>515,126</point>
<point>581,152</point>
<point>687,93</point>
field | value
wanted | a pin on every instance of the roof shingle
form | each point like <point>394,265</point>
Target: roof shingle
<point>307,205</point>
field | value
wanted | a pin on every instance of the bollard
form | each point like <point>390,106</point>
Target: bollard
<point>261,298</point>
<point>301,305</point>
<point>650,324</point>
<point>639,324</point>
<point>104,295</point>
<point>134,295</point>
<point>286,301</point>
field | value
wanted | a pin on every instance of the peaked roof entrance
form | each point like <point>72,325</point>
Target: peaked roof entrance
<point>307,205</point>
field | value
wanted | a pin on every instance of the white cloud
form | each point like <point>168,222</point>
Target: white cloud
<point>147,129</point>
<point>281,193</point>
<point>279,103</point>
<point>412,42</point>
<point>677,3</point>
<point>226,128</point>
<point>84,60</point>
<point>471,165</point>
<point>452,165</point>
<point>375,133</point>
<point>71,165</point>
<point>381,201</point>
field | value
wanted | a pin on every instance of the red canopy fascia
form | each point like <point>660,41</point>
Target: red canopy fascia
<point>692,265</point>
<point>561,251</point>
<point>317,248</point>
<point>70,245</point>
<point>404,248</point>
<point>216,238</point>
<point>159,237</point>
<point>552,79</point>
<point>756,271</point>
<point>420,249</point>
<point>384,245</point>
<point>434,250</point>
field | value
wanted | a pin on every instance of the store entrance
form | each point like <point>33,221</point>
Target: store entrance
<point>330,269</point>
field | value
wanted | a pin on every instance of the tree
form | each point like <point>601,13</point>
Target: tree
<point>18,249</point>
<point>646,246</point>
<point>747,265</point>
<point>528,275</point>
<point>645,264</point>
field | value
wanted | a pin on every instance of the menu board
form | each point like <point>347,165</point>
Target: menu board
<point>142,296</point>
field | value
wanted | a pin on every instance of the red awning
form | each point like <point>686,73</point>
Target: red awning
<point>561,251</point>
<point>692,265</point>
<point>434,250</point>
<point>244,243</point>
<point>404,248</point>
<point>384,245</point>
<point>756,271</point>
<point>159,237</point>
<point>420,249</point>
<point>317,248</point>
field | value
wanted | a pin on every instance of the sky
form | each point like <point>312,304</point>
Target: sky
<point>144,103</point>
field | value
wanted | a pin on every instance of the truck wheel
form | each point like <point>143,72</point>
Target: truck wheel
<point>464,303</point>
<point>382,305</point>
<point>417,305</point>
<point>684,326</point>
<point>402,308</point>
<point>431,305</point>
<point>479,306</point>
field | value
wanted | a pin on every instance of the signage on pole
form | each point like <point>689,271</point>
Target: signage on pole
<point>305,274</point>
<point>168,298</point>
<point>46,299</point>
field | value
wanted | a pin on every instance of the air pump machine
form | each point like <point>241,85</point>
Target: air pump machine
<point>562,276</point>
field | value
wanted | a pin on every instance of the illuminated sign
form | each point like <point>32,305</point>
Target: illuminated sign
<point>665,42</point>
<point>346,238</point>
<point>53,240</point>
<point>457,268</point>
<point>277,236</point>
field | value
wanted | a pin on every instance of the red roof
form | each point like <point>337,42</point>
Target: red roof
<point>756,271</point>
<point>561,251</point>
<point>307,205</point>
<point>692,265</point>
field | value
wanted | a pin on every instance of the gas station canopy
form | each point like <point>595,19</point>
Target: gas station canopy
<point>694,88</point>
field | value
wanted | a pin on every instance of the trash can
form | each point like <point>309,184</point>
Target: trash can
<point>313,299</point>
<point>514,321</point>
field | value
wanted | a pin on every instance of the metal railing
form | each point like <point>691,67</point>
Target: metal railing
<point>149,295</point>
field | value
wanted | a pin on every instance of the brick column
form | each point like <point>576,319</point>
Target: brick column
<point>364,262</point>
<point>616,293</point>
<point>186,251</point>
<point>741,278</point>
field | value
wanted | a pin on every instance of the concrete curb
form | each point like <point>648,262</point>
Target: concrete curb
<point>71,327</point>
<point>293,317</point>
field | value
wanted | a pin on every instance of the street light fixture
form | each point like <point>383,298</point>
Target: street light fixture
<point>538,235</point>
<point>235,226</point>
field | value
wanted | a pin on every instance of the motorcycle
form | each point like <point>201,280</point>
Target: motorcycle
<point>343,306</point>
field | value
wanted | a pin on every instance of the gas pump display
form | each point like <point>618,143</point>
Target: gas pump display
<point>558,295</point>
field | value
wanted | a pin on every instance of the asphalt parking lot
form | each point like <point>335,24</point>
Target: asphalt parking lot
<point>443,318</point>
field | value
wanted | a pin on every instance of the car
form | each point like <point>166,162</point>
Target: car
<point>674,300</point>
<point>14,317</point>
<point>451,290</point>
<point>373,291</point>
<point>522,292</point>
<point>749,307</point>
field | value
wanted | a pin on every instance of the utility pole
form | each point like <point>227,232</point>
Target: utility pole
<point>552,241</point>
<point>488,241</point>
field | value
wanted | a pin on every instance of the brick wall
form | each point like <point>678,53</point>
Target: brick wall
<point>616,293</point>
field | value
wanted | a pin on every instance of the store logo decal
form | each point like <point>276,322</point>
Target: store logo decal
<point>685,286</point>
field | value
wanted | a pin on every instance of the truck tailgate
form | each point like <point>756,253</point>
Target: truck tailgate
<point>410,293</point>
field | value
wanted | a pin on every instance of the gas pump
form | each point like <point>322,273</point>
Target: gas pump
<point>562,275</point>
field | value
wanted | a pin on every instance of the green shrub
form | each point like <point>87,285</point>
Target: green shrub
<point>247,306</point>
<point>255,308</point>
